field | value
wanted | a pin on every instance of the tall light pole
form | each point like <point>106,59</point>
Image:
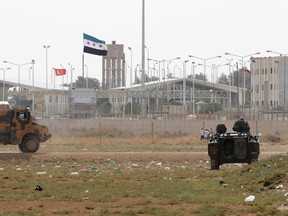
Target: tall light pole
<point>284,80</point>
<point>147,63</point>
<point>174,75</point>
<point>193,86</point>
<point>71,71</point>
<point>19,65</point>
<point>131,78</point>
<point>63,77</point>
<point>184,81</point>
<point>46,47</point>
<point>33,63</point>
<point>242,61</point>
<point>3,88</point>
<point>131,67</point>
<point>230,80</point>
<point>205,60</point>
<point>143,44</point>
<point>169,61</point>
<point>159,69</point>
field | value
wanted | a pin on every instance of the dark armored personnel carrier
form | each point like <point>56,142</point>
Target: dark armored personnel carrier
<point>232,147</point>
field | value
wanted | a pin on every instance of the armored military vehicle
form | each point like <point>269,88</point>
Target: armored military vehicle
<point>18,128</point>
<point>232,147</point>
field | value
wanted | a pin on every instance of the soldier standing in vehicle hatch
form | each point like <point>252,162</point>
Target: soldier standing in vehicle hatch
<point>241,126</point>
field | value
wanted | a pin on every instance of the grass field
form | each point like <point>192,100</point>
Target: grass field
<point>94,186</point>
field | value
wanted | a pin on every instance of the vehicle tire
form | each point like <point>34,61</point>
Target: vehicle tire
<point>21,148</point>
<point>214,164</point>
<point>254,159</point>
<point>30,145</point>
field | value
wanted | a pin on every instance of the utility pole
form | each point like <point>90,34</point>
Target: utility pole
<point>237,81</point>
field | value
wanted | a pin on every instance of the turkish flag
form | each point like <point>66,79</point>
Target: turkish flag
<point>60,72</point>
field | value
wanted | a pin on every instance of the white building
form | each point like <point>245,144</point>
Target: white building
<point>269,83</point>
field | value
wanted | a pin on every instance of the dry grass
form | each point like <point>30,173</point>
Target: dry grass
<point>137,187</point>
<point>113,140</point>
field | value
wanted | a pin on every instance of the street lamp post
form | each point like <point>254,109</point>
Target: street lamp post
<point>131,72</point>
<point>230,80</point>
<point>184,81</point>
<point>131,68</point>
<point>169,61</point>
<point>193,86</point>
<point>174,75</point>
<point>3,88</point>
<point>71,71</point>
<point>284,80</point>
<point>159,69</point>
<point>33,63</point>
<point>205,60</point>
<point>212,91</point>
<point>163,61</point>
<point>147,64</point>
<point>242,61</point>
<point>19,65</point>
<point>46,47</point>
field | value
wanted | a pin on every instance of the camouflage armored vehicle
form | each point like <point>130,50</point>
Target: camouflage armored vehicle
<point>18,128</point>
<point>233,147</point>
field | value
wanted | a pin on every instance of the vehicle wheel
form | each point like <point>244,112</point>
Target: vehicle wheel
<point>254,159</point>
<point>30,145</point>
<point>21,148</point>
<point>214,164</point>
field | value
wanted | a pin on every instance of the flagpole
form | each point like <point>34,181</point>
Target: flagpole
<point>54,78</point>
<point>143,43</point>
<point>83,65</point>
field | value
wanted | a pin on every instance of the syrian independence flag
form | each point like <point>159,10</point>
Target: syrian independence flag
<point>94,46</point>
<point>60,72</point>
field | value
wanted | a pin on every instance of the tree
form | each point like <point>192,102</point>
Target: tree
<point>81,82</point>
<point>210,107</point>
<point>238,78</point>
<point>201,76</point>
<point>136,108</point>
<point>104,105</point>
<point>172,102</point>
<point>223,79</point>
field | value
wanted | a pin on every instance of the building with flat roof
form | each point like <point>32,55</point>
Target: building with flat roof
<point>269,83</point>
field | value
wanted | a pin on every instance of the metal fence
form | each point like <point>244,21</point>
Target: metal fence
<point>171,126</point>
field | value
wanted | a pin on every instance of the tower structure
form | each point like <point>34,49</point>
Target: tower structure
<point>113,67</point>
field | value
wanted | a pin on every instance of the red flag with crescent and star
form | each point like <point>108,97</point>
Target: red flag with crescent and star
<point>60,72</point>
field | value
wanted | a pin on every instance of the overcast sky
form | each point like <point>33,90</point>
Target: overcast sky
<point>204,28</point>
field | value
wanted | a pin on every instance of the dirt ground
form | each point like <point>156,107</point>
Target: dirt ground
<point>45,207</point>
<point>266,150</point>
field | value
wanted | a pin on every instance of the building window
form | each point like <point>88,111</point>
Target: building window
<point>257,88</point>
<point>271,86</point>
<point>271,70</point>
<point>50,99</point>
<point>56,99</point>
<point>271,103</point>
